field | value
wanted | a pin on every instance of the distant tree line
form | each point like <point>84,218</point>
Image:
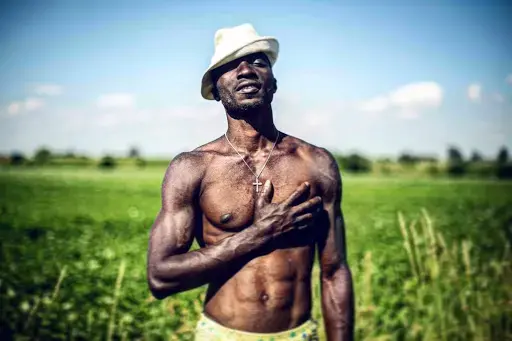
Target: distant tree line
<point>456,165</point>
<point>43,156</point>
<point>500,167</point>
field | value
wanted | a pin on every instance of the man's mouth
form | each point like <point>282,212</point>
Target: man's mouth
<point>248,88</point>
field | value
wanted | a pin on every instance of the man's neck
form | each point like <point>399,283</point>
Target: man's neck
<point>252,132</point>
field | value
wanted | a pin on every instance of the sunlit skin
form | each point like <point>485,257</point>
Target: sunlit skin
<point>257,249</point>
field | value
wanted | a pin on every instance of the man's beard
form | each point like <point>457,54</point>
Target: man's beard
<point>235,108</point>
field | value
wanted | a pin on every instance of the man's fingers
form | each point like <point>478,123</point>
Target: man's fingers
<point>311,204</point>
<point>266,193</point>
<point>303,221</point>
<point>296,194</point>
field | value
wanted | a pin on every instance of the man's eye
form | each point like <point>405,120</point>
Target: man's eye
<point>260,62</point>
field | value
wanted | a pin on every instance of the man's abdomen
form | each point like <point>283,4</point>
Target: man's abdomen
<point>269,294</point>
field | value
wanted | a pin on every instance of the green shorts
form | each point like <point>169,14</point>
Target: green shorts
<point>209,330</point>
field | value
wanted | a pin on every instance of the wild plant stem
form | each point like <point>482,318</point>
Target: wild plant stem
<point>117,290</point>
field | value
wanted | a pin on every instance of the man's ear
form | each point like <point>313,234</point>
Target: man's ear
<point>275,85</point>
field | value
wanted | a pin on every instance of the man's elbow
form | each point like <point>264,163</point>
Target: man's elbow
<point>340,276</point>
<point>157,289</point>
<point>161,289</point>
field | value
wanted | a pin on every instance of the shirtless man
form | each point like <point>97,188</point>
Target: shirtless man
<point>258,233</point>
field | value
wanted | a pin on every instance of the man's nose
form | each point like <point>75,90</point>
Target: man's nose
<point>245,70</point>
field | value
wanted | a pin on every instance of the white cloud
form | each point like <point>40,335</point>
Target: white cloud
<point>33,103</point>
<point>29,104</point>
<point>376,104</point>
<point>475,92</point>
<point>14,108</point>
<point>48,90</point>
<point>509,79</point>
<point>410,99</point>
<point>317,119</point>
<point>417,95</point>
<point>108,120</point>
<point>116,100</point>
<point>408,114</point>
<point>198,112</point>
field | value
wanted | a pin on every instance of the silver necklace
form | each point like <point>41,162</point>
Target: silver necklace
<point>256,182</point>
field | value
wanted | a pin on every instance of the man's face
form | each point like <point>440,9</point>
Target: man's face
<point>245,83</point>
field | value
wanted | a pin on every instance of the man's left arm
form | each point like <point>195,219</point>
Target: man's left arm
<point>335,276</point>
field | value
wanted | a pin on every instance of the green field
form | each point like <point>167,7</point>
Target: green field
<point>430,258</point>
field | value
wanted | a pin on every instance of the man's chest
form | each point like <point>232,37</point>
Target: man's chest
<point>229,190</point>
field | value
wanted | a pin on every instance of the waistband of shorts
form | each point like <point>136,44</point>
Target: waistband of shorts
<point>306,326</point>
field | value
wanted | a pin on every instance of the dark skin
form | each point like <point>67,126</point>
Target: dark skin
<point>257,249</point>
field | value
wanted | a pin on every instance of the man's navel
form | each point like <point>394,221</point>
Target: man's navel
<point>264,297</point>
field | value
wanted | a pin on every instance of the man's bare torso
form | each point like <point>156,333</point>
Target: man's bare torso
<point>271,292</point>
<point>257,249</point>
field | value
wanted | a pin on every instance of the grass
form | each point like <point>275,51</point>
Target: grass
<point>430,258</point>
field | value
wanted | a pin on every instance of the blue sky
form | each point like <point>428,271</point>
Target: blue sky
<point>98,77</point>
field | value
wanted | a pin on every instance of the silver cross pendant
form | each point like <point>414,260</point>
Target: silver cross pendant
<point>257,183</point>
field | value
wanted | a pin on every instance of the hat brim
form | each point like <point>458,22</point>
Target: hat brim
<point>267,45</point>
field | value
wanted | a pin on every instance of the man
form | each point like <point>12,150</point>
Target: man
<point>259,202</point>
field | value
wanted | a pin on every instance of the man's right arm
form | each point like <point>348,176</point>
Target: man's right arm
<point>171,268</point>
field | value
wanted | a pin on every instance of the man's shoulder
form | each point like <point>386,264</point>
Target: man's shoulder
<point>187,159</point>
<point>194,162</point>
<point>322,163</point>
<point>320,156</point>
<point>210,149</point>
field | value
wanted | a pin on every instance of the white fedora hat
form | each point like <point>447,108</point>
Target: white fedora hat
<point>235,42</point>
